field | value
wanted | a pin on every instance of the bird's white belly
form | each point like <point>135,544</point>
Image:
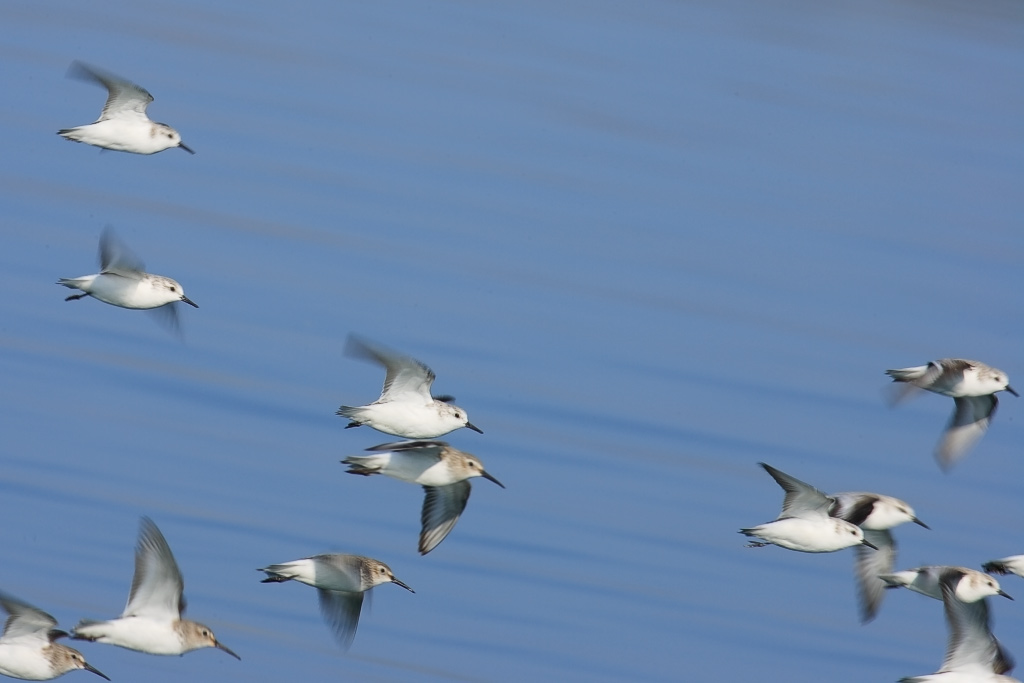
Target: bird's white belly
<point>147,635</point>
<point>406,419</point>
<point>119,291</point>
<point>804,535</point>
<point>121,135</point>
<point>24,661</point>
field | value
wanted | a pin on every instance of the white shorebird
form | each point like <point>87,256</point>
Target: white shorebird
<point>29,649</point>
<point>443,471</point>
<point>972,386</point>
<point>876,514</point>
<point>970,584</point>
<point>1008,565</point>
<point>123,125</point>
<point>152,620</point>
<point>804,523</point>
<point>340,581</point>
<point>973,654</point>
<point>405,407</point>
<point>122,281</point>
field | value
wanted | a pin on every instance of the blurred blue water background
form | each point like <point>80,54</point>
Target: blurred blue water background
<point>645,244</point>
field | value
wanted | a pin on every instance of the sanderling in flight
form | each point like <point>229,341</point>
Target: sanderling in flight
<point>29,649</point>
<point>340,581</point>
<point>971,385</point>
<point>804,523</point>
<point>152,620</point>
<point>123,125</point>
<point>405,407</point>
<point>876,514</point>
<point>973,654</point>
<point>443,472</point>
<point>970,584</point>
<point>1008,565</point>
<point>122,281</point>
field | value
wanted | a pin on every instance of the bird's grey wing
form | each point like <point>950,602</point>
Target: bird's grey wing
<point>419,444</point>
<point>853,507</point>
<point>167,317</point>
<point>337,569</point>
<point>970,421</point>
<point>908,381</point>
<point>116,258</point>
<point>868,565</point>
<point>944,369</point>
<point>1003,662</point>
<point>971,643</point>
<point>442,507</point>
<point>123,96</point>
<point>157,586</point>
<point>405,375</point>
<point>24,620</point>
<point>340,610</point>
<point>801,498</point>
<point>955,367</point>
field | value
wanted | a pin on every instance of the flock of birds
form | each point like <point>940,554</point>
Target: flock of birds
<point>811,521</point>
<point>815,522</point>
<point>153,619</point>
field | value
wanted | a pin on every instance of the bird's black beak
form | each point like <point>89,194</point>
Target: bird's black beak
<point>185,147</point>
<point>396,581</point>
<point>920,523</point>
<point>1010,389</point>
<point>487,476</point>
<point>1005,594</point>
<point>189,301</point>
<point>470,425</point>
<point>222,646</point>
<point>868,544</point>
<point>90,667</point>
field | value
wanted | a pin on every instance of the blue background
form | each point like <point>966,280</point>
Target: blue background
<point>645,244</point>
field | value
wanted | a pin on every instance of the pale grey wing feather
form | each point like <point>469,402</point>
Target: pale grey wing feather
<point>24,620</point>
<point>971,643</point>
<point>916,374</point>
<point>932,372</point>
<point>405,375</point>
<point>801,498</point>
<point>909,380</point>
<point>970,421</point>
<point>868,565</point>
<point>901,391</point>
<point>157,586</point>
<point>442,507</point>
<point>167,317</point>
<point>953,368</point>
<point>340,610</point>
<point>337,570</point>
<point>123,96</point>
<point>116,258</point>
